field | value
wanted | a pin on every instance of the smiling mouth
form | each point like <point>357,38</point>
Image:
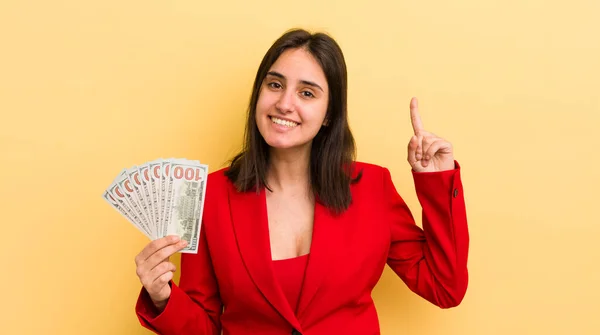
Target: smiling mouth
<point>281,122</point>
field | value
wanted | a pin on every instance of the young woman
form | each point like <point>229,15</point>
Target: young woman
<point>296,233</point>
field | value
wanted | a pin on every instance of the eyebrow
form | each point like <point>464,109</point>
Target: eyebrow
<point>305,82</point>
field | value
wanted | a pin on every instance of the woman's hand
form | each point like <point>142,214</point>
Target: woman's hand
<point>426,151</point>
<point>154,269</point>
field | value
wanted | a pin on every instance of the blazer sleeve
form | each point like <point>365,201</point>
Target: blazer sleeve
<point>194,306</point>
<point>431,261</point>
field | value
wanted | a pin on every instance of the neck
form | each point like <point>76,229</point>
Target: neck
<point>289,169</point>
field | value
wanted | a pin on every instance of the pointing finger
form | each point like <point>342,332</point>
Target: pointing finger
<point>415,117</point>
<point>412,150</point>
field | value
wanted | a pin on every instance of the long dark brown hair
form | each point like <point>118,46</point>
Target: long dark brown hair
<point>333,149</point>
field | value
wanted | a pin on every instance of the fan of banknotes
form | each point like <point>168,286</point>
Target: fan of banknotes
<point>162,197</point>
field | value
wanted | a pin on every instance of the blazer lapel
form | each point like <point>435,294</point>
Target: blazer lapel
<point>250,223</point>
<point>325,241</point>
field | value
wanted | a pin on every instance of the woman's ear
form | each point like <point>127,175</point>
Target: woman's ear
<point>325,122</point>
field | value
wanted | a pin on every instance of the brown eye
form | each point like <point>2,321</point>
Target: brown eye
<point>274,85</point>
<point>307,94</point>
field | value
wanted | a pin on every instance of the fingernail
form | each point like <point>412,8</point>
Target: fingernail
<point>174,238</point>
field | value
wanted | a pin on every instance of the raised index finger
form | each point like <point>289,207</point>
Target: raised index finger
<point>415,117</point>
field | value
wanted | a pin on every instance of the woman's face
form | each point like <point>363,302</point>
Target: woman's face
<point>293,101</point>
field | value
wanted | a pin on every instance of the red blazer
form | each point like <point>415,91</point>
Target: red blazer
<point>229,284</point>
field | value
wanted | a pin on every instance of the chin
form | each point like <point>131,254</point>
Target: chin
<point>278,144</point>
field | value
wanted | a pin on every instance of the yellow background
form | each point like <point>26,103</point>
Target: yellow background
<point>90,87</point>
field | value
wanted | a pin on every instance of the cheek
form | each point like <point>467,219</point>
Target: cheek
<point>320,112</point>
<point>262,109</point>
<point>264,103</point>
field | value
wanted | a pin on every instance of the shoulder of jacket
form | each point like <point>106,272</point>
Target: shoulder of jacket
<point>218,176</point>
<point>368,168</point>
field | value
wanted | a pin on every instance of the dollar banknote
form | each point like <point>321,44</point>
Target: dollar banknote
<point>183,213</point>
<point>126,186</point>
<point>119,195</point>
<point>162,197</point>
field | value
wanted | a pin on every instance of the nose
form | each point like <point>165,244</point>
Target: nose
<point>285,104</point>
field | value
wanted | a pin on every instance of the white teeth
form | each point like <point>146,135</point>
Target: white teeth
<point>283,122</point>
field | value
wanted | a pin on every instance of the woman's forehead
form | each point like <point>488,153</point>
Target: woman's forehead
<point>298,65</point>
